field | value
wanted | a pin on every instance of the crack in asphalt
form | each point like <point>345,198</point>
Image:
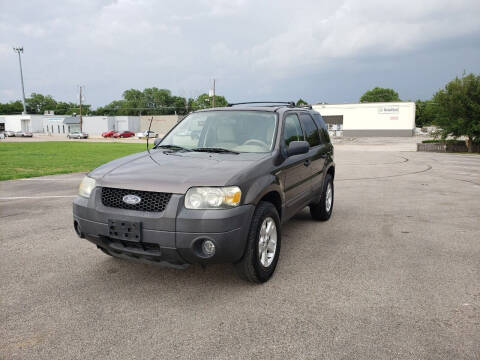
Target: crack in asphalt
<point>428,168</point>
<point>404,160</point>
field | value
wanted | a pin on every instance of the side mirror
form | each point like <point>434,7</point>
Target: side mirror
<point>297,148</point>
<point>157,141</point>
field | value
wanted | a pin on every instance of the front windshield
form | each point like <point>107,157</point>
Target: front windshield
<point>238,131</point>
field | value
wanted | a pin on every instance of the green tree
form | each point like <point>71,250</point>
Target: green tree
<point>458,109</point>
<point>116,107</point>
<point>204,101</point>
<point>12,107</point>
<point>155,101</point>
<point>190,105</point>
<point>179,105</point>
<point>425,113</point>
<point>379,94</point>
<point>301,102</point>
<point>38,103</point>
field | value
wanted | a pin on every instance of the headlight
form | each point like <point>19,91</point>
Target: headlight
<point>86,187</point>
<point>213,197</point>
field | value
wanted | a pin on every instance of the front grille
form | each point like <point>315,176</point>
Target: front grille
<point>151,201</point>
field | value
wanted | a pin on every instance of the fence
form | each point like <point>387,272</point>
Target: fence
<point>446,147</point>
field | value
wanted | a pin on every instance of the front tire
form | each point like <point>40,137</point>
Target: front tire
<point>323,209</point>
<point>263,245</point>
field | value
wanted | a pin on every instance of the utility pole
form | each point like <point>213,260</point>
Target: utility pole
<point>213,102</point>
<point>81,108</point>
<point>19,50</point>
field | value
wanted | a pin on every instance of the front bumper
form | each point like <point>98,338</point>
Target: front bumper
<point>172,237</point>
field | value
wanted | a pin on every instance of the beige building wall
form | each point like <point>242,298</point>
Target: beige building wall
<point>373,119</point>
<point>161,124</point>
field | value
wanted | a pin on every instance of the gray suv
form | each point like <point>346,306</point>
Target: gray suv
<point>215,189</point>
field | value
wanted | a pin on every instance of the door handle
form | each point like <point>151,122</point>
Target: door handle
<point>307,162</point>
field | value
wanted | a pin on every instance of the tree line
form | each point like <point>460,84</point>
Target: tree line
<point>38,104</point>
<point>150,101</point>
<point>454,109</point>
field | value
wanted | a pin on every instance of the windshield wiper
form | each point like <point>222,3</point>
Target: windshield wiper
<point>172,147</point>
<point>215,150</point>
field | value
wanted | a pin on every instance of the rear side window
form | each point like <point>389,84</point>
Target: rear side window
<point>325,138</point>
<point>311,130</point>
<point>292,130</point>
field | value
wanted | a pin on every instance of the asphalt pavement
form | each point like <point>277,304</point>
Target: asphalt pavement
<point>395,273</point>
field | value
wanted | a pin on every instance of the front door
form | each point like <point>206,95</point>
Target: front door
<point>296,170</point>
<point>25,124</point>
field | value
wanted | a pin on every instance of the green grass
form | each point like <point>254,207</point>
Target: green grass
<point>29,159</point>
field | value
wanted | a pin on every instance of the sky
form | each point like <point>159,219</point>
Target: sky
<point>321,51</point>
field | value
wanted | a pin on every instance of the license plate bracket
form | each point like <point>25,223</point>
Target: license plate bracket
<point>125,230</point>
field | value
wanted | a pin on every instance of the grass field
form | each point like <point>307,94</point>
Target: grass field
<point>29,159</point>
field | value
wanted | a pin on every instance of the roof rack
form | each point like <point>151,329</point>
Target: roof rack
<point>271,103</point>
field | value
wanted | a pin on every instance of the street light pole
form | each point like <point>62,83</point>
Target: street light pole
<point>19,50</point>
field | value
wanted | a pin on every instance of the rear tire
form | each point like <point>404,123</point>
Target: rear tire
<point>323,209</point>
<point>263,245</point>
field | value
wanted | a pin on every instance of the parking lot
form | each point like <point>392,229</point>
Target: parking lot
<point>395,273</point>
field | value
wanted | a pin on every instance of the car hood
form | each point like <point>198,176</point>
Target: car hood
<point>173,172</point>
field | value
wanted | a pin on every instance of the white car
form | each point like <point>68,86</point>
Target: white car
<point>77,135</point>
<point>23,134</point>
<point>144,134</point>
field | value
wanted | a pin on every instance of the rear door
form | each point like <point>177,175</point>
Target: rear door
<point>296,171</point>
<point>317,151</point>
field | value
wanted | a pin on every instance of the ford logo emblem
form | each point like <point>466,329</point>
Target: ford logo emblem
<point>131,199</point>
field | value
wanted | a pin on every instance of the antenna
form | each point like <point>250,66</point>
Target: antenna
<point>148,133</point>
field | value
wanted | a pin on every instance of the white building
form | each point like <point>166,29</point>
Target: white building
<point>60,124</point>
<point>96,125</point>
<point>33,123</point>
<point>64,124</point>
<point>161,124</point>
<point>369,119</point>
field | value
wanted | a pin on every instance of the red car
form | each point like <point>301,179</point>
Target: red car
<point>123,134</point>
<point>109,133</point>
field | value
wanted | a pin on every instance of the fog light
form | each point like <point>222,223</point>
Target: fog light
<point>208,248</point>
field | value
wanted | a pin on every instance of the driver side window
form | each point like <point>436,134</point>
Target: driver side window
<point>292,130</point>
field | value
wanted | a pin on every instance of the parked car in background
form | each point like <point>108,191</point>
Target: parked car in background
<point>146,133</point>
<point>108,133</point>
<point>77,135</point>
<point>9,133</point>
<point>123,134</point>
<point>23,134</point>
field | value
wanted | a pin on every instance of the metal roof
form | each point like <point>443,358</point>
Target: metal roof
<point>71,120</point>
